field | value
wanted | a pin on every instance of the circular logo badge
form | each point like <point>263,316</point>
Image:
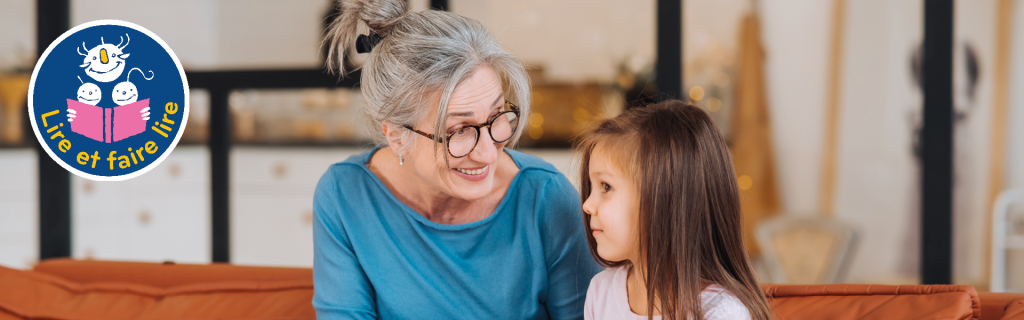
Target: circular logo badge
<point>108,100</point>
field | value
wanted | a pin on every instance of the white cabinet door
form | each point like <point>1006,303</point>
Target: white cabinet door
<point>272,202</point>
<point>19,208</point>
<point>159,216</point>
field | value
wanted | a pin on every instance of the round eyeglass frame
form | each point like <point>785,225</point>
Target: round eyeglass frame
<point>514,110</point>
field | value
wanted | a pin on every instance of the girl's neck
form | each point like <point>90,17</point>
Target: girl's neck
<point>636,290</point>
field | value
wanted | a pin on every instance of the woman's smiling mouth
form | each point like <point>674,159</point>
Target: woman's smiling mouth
<point>477,174</point>
<point>472,172</point>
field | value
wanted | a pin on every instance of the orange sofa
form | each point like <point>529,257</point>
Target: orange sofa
<point>73,289</point>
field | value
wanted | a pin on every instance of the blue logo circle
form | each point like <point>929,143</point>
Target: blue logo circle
<point>108,100</point>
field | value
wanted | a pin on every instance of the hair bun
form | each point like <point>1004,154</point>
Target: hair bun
<point>379,15</point>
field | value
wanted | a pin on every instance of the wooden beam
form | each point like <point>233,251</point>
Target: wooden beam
<point>1001,85</point>
<point>828,166</point>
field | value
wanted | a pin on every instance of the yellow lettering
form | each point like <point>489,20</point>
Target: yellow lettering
<point>171,107</point>
<point>169,121</point>
<point>160,132</point>
<point>82,158</point>
<point>151,147</point>
<point>64,145</point>
<point>124,162</point>
<point>111,158</point>
<point>96,156</point>
<point>50,114</point>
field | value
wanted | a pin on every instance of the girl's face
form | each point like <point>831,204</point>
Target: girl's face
<point>613,209</point>
<point>473,102</point>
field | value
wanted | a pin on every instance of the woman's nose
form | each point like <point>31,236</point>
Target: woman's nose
<point>486,150</point>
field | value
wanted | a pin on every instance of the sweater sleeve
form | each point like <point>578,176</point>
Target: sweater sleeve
<point>570,266</point>
<point>341,289</point>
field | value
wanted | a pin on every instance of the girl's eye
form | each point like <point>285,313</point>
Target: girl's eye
<point>605,187</point>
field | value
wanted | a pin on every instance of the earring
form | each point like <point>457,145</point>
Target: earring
<point>400,161</point>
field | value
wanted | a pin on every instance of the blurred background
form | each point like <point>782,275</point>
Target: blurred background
<point>821,102</point>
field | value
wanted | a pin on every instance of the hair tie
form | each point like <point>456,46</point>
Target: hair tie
<point>365,43</point>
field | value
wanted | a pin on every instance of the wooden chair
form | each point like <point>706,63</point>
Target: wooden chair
<point>800,250</point>
<point>1003,240</point>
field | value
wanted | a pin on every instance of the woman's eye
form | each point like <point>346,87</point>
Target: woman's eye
<point>456,129</point>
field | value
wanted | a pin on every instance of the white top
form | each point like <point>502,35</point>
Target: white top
<point>606,299</point>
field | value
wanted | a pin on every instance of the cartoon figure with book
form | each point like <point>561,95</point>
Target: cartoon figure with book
<point>105,63</point>
<point>88,93</point>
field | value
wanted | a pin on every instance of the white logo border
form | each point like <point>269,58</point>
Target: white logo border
<point>40,137</point>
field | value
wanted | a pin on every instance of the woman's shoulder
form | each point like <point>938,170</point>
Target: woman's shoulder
<point>344,175</point>
<point>354,164</point>
<point>720,303</point>
<point>528,162</point>
<point>539,175</point>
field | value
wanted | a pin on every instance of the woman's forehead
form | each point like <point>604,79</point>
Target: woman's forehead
<point>478,94</point>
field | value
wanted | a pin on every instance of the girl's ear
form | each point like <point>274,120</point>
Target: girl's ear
<point>393,133</point>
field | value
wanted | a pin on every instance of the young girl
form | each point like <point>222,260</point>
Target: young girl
<point>663,214</point>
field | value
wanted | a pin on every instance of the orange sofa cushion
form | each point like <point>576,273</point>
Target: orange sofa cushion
<point>26,294</point>
<point>1014,310</point>
<point>861,301</point>
<point>164,275</point>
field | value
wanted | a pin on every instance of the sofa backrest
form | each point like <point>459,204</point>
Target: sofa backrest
<point>32,295</point>
<point>861,301</point>
<point>166,274</point>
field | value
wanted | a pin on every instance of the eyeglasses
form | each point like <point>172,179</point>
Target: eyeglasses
<point>501,127</point>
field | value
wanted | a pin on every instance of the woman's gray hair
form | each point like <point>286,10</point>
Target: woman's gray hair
<point>421,54</point>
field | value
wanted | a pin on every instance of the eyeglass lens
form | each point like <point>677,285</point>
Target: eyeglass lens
<point>462,142</point>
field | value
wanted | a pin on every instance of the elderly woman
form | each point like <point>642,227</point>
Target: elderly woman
<point>441,221</point>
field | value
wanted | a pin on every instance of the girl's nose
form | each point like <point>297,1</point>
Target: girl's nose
<point>588,207</point>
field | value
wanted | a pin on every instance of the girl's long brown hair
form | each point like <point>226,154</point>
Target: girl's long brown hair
<point>689,215</point>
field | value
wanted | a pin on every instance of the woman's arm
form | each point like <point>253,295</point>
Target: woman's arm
<point>341,289</point>
<point>570,266</point>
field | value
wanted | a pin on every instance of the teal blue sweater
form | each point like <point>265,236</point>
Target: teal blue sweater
<point>377,258</point>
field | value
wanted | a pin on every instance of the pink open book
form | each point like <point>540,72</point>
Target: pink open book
<point>108,124</point>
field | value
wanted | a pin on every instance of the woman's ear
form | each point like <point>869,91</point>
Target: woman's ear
<point>393,133</point>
